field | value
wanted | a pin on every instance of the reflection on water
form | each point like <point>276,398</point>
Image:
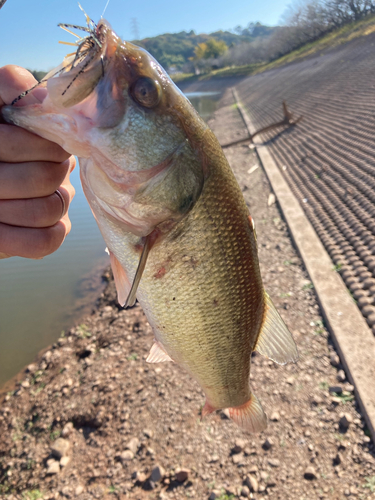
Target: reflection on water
<point>204,102</point>
<point>40,298</point>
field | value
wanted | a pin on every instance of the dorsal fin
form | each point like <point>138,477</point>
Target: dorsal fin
<point>275,340</point>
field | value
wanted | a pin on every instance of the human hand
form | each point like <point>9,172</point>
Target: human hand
<point>35,191</point>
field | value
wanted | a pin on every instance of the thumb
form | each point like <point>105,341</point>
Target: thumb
<point>15,80</point>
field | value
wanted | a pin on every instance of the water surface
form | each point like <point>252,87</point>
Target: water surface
<point>39,299</point>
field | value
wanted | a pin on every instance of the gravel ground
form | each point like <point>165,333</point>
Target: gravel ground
<point>328,159</point>
<point>92,420</point>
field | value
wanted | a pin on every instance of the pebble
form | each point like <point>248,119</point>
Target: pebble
<point>53,467</point>
<point>67,430</point>
<point>157,474</point>
<point>252,483</point>
<point>60,448</point>
<point>338,459</point>
<point>341,377</point>
<point>264,475</point>
<point>133,445</point>
<point>310,473</point>
<point>334,359</point>
<point>236,459</point>
<point>268,443</point>
<point>182,475</point>
<point>79,490</point>
<point>239,446</point>
<point>148,433</point>
<point>335,388</point>
<point>271,199</point>
<point>245,491</point>
<point>275,416</point>
<point>64,461</point>
<point>345,420</point>
<point>274,462</point>
<point>127,455</point>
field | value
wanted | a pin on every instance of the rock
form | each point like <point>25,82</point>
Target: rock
<point>126,456</point>
<point>67,430</point>
<point>271,199</point>
<point>215,494</point>
<point>345,421</point>
<point>25,384</point>
<point>335,388</point>
<point>341,377</point>
<point>214,458</point>
<point>236,459</point>
<point>252,483</point>
<point>264,475</point>
<point>338,459</point>
<point>139,476</point>
<point>182,475</point>
<point>157,474</point>
<point>274,462</point>
<point>245,491</point>
<point>310,473</point>
<point>148,433</point>
<point>133,445</point>
<point>334,359</point>
<point>239,446</point>
<point>275,416</point>
<point>53,467</point>
<point>268,443</point>
<point>79,490</point>
<point>60,448</point>
<point>317,400</point>
<point>64,461</point>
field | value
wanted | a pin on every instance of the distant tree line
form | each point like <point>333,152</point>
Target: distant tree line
<point>303,22</point>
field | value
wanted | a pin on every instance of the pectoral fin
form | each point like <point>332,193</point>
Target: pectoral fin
<point>121,280</point>
<point>150,240</point>
<point>275,341</point>
<point>158,354</point>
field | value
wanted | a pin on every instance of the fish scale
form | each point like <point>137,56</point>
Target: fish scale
<point>223,288</point>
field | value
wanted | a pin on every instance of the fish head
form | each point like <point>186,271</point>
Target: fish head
<point>138,137</point>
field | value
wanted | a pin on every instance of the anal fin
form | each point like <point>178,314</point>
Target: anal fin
<point>250,416</point>
<point>158,354</point>
<point>275,341</point>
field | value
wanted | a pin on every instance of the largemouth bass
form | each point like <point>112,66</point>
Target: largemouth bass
<point>172,214</point>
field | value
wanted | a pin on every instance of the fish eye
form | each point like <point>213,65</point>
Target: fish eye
<point>146,92</point>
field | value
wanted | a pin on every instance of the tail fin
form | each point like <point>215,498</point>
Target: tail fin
<point>250,416</point>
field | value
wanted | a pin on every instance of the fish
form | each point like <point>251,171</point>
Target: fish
<point>178,231</point>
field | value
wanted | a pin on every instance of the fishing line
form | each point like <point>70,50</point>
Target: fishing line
<point>105,8</point>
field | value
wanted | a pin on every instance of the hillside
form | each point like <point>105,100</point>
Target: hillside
<point>175,49</point>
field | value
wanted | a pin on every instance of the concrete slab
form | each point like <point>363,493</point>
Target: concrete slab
<point>352,337</point>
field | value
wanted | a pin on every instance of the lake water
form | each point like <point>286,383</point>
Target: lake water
<point>39,299</point>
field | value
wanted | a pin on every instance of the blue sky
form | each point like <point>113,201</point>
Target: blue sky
<point>29,34</point>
